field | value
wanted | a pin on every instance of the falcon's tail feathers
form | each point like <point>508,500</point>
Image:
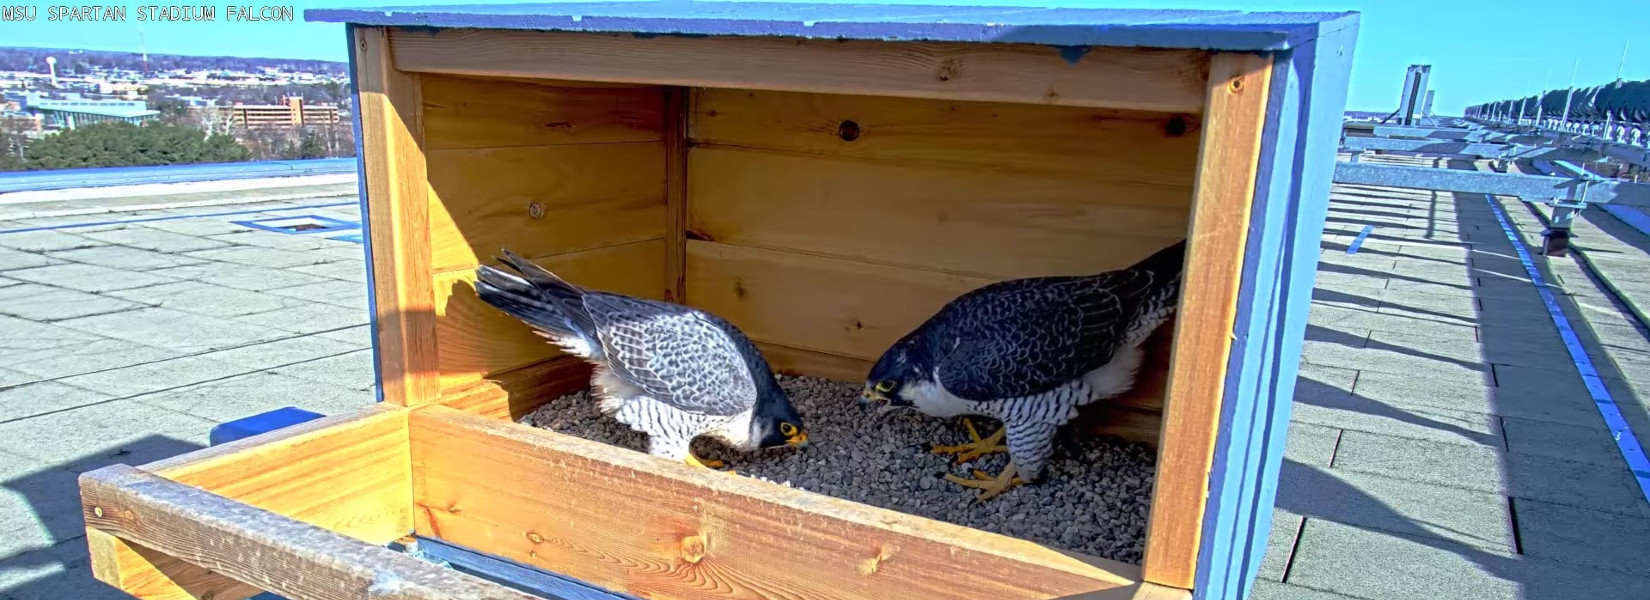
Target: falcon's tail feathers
<point>538,297</point>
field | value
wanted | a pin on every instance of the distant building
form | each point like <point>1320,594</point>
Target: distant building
<point>129,91</point>
<point>197,101</point>
<point>21,123</point>
<point>73,111</point>
<point>293,112</point>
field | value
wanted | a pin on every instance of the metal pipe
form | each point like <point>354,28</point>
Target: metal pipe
<point>1531,188</point>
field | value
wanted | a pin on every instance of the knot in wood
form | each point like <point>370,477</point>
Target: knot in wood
<point>1176,126</point>
<point>848,131</point>
<point>1237,84</point>
<point>535,210</point>
<point>535,538</point>
<point>693,549</point>
<point>948,69</point>
<point>98,511</point>
<point>870,566</point>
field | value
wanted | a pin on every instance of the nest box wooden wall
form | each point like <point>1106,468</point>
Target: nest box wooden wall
<point>825,178</point>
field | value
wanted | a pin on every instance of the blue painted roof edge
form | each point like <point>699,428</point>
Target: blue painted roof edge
<point>1267,31</point>
<point>90,177</point>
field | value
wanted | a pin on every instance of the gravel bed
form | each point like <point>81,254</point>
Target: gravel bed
<point>1093,498</point>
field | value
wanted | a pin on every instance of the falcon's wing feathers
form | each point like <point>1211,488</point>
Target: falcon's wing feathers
<point>677,355</point>
<point>1036,335</point>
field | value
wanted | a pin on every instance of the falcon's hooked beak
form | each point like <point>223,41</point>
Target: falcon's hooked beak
<point>800,440</point>
<point>872,396</point>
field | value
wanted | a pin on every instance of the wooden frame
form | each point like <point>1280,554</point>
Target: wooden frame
<point>160,530</point>
<point>692,131</point>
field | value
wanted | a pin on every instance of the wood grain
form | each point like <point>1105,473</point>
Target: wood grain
<point>348,473</point>
<point>461,112</point>
<point>586,196</point>
<point>973,222</point>
<point>149,574</point>
<point>513,394</point>
<point>1086,145</point>
<point>678,112</point>
<point>476,339</point>
<point>398,218</point>
<point>796,361</point>
<point>1238,87</point>
<point>659,529</point>
<point>293,559</point>
<point>1113,77</point>
<point>841,307</point>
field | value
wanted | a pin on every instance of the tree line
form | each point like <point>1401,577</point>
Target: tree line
<point>80,62</point>
<point>167,141</point>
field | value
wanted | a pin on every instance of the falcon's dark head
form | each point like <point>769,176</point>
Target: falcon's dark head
<point>775,423</point>
<point>906,363</point>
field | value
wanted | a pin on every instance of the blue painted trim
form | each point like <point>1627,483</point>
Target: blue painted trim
<point>172,218</point>
<point>354,237</point>
<point>60,179</point>
<point>1302,132</point>
<point>1620,431</point>
<point>333,225</point>
<point>1053,26</point>
<point>509,573</point>
<point>366,215</point>
<point>1359,241</point>
<point>259,424</point>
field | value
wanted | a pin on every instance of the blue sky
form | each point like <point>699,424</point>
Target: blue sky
<point>1479,51</point>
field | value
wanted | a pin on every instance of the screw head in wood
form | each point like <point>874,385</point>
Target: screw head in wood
<point>535,210</point>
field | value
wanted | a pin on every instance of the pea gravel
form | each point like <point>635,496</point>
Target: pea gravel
<point>1093,498</point>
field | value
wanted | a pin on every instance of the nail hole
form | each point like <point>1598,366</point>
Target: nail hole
<point>1237,85</point>
<point>848,131</point>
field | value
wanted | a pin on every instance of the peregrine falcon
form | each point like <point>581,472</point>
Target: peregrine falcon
<point>667,370</point>
<point>1028,352</point>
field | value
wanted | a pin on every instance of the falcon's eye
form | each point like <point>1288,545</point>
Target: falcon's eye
<point>885,386</point>
<point>787,429</point>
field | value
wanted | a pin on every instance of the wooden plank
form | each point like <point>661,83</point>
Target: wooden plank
<point>398,221</point>
<point>973,222</point>
<point>841,307</point>
<point>1238,87</point>
<point>796,361</point>
<point>292,558</point>
<point>462,112</point>
<point>346,473</point>
<point>476,339</point>
<point>1130,78</point>
<point>641,525</point>
<point>513,394</point>
<point>543,200</point>
<point>149,574</point>
<point>678,111</point>
<point>1087,145</point>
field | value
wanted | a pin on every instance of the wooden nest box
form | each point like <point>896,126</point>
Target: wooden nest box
<point>825,177</point>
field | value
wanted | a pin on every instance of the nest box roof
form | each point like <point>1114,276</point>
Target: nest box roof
<point>1160,28</point>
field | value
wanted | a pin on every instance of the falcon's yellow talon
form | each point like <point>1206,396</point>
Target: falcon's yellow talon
<point>708,464</point>
<point>977,448</point>
<point>989,485</point>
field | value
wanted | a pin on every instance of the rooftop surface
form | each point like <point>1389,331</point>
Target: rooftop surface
<point>1213,30</point>
<point>1442,446</point>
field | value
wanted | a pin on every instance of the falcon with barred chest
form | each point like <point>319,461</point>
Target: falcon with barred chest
<point>1028,352</point>
<point>667,370</point>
